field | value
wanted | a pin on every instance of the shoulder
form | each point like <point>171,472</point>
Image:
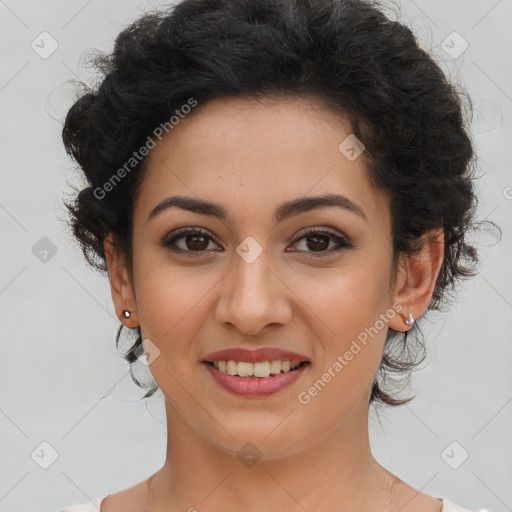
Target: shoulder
<point>132,499</point>
<point>93,506</point>
<point>127,500</point>
<point>450,506</point>
<point>409,499</point>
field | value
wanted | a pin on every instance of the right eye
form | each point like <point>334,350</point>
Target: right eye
<point>188,240</point>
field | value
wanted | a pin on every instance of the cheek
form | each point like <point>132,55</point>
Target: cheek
<point>172,302</point>
<point>346,299</point>
<point>344,308</point>
<point>338,302</point>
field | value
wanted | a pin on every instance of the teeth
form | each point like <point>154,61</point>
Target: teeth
<point>275,367</point>
<point>232,367</point>
<point>261,369</point>
<point>245,369</point>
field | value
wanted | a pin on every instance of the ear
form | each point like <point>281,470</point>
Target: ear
<point>120,284</point>
<point>416,279</point>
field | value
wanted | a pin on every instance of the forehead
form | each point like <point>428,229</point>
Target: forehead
<point>246,152</point>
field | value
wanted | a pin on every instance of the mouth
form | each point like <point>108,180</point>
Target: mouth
<point>260,370</point>
<point>250,385</point>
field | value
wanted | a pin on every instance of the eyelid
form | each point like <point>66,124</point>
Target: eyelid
<point>322,229</point>
<point>339,238</point>
<point>342,241</point>
<point>170,238</point>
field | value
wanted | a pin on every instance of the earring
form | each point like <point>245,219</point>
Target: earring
<point>127,314</point>
<point>410,320</point>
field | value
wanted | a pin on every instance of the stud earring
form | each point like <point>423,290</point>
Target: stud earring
<point>410,320</point>
<point>127,313</point>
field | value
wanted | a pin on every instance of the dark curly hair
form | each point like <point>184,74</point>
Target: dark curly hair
<point>346,54</point>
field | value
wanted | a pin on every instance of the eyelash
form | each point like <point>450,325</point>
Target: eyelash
<point>184,232</point>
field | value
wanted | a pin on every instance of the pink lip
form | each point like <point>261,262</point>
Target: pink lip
<point>255,386</point>
<point>254,356</point>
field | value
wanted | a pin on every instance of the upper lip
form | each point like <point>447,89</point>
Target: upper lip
<point>255,355</point>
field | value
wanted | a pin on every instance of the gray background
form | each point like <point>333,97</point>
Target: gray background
<point>58,325</point>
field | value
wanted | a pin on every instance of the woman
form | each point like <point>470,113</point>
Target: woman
<point>279,191</point>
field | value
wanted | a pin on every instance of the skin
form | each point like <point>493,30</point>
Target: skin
<point>251,157</point>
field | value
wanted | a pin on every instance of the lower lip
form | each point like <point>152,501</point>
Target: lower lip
<point>257,386</point>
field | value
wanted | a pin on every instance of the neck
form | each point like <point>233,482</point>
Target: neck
<point>338,472</point>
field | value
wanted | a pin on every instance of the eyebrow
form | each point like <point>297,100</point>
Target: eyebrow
<point>284,211</point>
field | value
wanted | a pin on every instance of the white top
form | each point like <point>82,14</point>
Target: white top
<point>94,506</point>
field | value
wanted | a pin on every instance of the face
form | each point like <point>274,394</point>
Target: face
<point>311,280</point>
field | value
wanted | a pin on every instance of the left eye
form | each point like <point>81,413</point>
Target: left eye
<point>196,241</point>
<point>321,241</point>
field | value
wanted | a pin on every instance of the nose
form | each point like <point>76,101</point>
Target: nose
<point>253,297</point>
